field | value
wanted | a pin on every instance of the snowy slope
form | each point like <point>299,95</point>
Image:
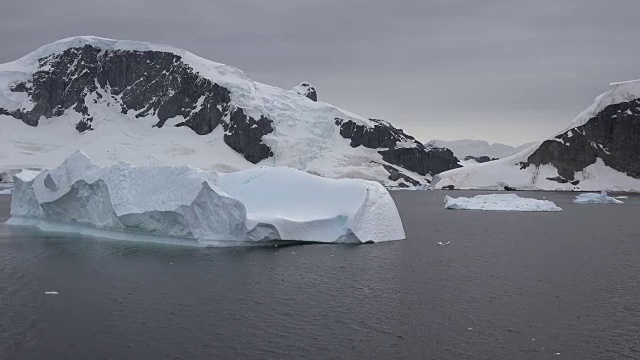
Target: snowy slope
<point>600,150</point>
<point>156,104</point>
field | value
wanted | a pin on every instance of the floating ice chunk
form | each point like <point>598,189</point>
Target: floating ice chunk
<point>51,293</point>
<point>261,204</point>
<point>6,191</point>
<point>499,202</point>
<point>594,198</point>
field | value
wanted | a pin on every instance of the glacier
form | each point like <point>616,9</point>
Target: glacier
<point>186,204</point>
<point>499,202</point>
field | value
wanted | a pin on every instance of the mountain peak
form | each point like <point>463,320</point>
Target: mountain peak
<point>125,99</point>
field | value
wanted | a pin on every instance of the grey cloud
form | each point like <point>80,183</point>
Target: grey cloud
<point>510,71</point>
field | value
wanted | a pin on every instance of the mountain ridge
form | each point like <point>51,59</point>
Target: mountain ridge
<point>464,148</point>
<point>89,82</point>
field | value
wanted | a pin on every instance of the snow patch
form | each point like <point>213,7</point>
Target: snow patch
<point>499,202</point>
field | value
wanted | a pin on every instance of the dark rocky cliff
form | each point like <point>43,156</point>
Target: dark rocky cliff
<point>142,83</point>
<point>415,157</point>
<point>613,135</point>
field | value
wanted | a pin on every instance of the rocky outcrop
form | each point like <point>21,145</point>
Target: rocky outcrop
<point>244,135</point>
<point>141,83</point>
<point>381,135</point>
<point>421,161</point>
<point>613,135</point>
<point>398,148</point>
<point>479,159</point>
<point>305,89</point>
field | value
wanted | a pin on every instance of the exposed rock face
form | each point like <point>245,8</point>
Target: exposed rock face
<point>244,135</point>
<point>398,148</point>
<point>143,83</point>
<point>422,161</point>
<point>381,135</point>
<point>479,159</point>
<point>612,135</point>
<point>305,89</point>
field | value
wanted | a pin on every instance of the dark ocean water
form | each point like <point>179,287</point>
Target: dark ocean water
<point>510,286</point>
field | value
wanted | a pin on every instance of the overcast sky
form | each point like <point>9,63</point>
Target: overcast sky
<point>500,70</point>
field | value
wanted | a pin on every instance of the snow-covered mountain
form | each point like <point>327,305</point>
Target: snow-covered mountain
<point>155,104</point>
<point>466,148</point>
<point>600,150</point>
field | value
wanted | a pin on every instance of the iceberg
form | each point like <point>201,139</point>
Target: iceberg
<point>152,203</point>
<point>499,202</point>
<point>595,198</point>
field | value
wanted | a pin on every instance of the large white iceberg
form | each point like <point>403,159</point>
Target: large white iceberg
<point>499,202</point>
<point>148,202</point>
<point>596,198</point>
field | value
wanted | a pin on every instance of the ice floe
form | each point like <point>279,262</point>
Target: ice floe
<point>499,202</point>
<point>596,198</point>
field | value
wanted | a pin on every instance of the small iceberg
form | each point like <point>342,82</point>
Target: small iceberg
<point>499,202</point>
<point>51,293</point>
<point>594,198</point>
<point>6,191</point>
<point>164,203</point>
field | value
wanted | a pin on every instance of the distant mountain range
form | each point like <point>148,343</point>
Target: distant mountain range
<point>600,150</point>
<point>477,149</point>
<point>147,103</point>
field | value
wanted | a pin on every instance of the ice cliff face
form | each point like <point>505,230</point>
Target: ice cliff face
<point>89,82</point>
<point>202,207</point>
<point>599,151</point>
